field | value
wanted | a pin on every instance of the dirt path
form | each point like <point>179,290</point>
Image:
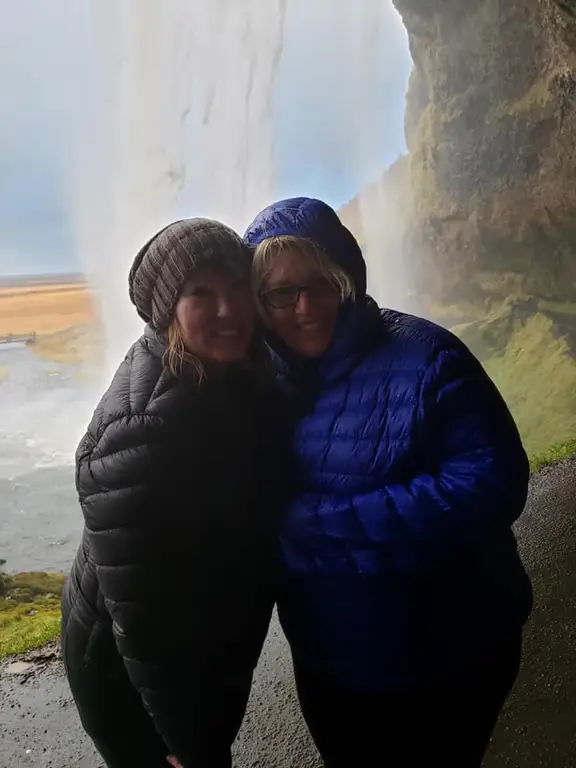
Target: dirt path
<point>39,726</point>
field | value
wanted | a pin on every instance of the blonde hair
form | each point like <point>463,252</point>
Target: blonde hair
<point>267,251</point>
<point>177,356</point>
<point>178,359</point>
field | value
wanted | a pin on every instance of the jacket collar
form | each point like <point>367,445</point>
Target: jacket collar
<point>156,343</point>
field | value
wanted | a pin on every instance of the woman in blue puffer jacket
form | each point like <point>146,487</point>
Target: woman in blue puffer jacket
<point>404,595</point>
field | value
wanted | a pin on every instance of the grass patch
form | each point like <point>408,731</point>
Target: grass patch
<point>533,366</point>
<point>553,454</point>
<point>536,374</point>
<point>29,610</point>
<point>77,345</point>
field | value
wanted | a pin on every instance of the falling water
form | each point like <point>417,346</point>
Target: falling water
<point>182,100</point>
<point>183,121</point>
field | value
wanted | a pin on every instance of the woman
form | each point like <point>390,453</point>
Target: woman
<point>404,595</point>
<point>168,601</point>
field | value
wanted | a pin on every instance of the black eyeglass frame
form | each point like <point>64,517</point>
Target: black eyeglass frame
<point>327,287</point>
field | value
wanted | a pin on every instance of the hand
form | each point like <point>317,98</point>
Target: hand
<point>174,762</point>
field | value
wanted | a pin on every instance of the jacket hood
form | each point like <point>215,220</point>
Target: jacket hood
<point>314,220</point>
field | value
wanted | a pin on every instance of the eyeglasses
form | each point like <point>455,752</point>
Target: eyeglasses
<point>289,295</point>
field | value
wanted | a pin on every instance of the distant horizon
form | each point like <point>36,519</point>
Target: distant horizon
<point>9,278</point>
<point>19,278</point>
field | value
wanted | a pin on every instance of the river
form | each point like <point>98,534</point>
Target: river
<point>44,409</point>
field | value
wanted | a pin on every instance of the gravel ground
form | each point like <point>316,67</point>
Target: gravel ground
<point>39,726</point>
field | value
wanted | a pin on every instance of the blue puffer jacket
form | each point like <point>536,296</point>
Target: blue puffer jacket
<point>408,472</point>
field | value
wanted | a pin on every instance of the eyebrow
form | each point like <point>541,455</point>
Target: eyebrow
<point>285,283</point>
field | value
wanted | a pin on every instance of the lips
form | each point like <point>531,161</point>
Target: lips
<point>232,333</point>
<point>311,327</point>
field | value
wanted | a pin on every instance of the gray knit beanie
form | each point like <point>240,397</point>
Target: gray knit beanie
<point>168,259</point>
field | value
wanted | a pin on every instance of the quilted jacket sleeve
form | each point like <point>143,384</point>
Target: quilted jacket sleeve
<point>138,542</point>
<point>472,474</point>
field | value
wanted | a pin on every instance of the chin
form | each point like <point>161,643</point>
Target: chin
<point>232,356</point>
<point>313,350</point>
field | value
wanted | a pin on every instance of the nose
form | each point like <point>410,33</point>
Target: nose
<point>226,307</point>
<point>303,304</point>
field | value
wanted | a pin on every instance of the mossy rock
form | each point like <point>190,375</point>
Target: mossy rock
<point>28,586</point>
<point>536,374</point>
<point>532,362</point>
<point>29,610</point>
<point>489,337</point>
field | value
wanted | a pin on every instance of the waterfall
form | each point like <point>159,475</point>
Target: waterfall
<point>182,97</point>
<point>183,114</point>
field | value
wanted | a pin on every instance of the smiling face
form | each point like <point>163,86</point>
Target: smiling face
<point>216,315</point>
<point>300,300</point>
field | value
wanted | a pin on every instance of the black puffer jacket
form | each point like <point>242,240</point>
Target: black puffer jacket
<point>178,556</point>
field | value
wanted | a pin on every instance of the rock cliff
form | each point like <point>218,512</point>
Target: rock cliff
<point>480,216</point>
<point>490,191</point>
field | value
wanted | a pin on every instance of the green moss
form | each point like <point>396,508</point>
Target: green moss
<point>537,96</point>
<point>536,374</point>
<point>488,338</point>
<point>555,453</point>
<point>29,610</point>
<point>422,166</point>
<point>534,368</point>
<point>540,93</point>
<point>558,307</point>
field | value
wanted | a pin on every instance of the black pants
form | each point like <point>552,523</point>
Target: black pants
<point>449,725</point>
<point>113,715</point>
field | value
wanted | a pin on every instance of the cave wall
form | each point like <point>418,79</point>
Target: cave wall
<point>491,132</point>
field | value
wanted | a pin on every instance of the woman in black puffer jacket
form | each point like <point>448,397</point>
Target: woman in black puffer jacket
<point>169,598</point>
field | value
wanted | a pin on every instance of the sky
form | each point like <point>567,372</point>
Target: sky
<point>338,104</point>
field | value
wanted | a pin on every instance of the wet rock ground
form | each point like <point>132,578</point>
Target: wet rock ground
<point>39,726</point>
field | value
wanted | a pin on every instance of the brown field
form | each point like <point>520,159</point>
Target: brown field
<point>45,308</point>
